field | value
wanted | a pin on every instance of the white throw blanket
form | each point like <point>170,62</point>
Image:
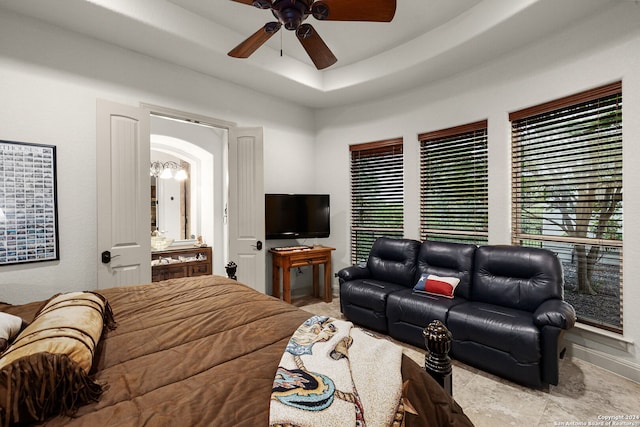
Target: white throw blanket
<point>333,374</point>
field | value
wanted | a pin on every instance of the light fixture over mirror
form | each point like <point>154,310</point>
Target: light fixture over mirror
<point>167,170</point>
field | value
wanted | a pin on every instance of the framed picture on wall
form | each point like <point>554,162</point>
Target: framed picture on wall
<point>28,206</point>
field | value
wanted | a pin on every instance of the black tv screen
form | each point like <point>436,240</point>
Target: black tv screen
<point>293,216</point>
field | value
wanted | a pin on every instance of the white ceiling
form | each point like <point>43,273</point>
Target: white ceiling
<point>427,40</point>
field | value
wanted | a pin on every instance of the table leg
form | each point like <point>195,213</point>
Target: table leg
<point>328,294</point>
<point>275,281</point>
<point>316,280</point>
<point>286,284</point>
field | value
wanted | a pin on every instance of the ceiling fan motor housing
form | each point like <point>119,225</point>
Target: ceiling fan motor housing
<point>291,13</point>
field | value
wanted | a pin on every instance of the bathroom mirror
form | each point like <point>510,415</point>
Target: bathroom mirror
<point>170,185</point>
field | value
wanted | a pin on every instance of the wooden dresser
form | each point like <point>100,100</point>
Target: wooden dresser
<point>183,262</point>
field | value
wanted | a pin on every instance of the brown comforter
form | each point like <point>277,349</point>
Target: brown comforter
<point>203,352</point>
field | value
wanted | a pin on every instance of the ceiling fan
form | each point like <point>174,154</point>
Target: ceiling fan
<point>292,13</point>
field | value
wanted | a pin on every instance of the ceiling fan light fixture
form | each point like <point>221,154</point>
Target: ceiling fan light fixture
<point>290,13</point>
<point>291,20</point>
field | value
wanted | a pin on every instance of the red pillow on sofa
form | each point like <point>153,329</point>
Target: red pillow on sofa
<point>436,285</point>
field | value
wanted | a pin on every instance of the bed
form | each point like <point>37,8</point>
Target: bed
<point>203,351</point>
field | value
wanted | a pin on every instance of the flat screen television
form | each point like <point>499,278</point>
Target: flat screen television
<point>294,216</point>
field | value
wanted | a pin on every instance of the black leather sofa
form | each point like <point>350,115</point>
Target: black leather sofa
<point>507,315</point>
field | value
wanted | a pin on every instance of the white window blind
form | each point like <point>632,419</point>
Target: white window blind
<point>377,193</point>
<point>567,195</point>
<point>453,184</point>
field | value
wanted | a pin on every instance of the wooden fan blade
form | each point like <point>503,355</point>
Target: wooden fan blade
<point>317,50</point>
<point>253,42</point>
<point>354,10</point>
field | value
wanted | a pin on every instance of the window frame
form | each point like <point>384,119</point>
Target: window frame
<point>470,229</point>
<point>386,159</point>
<point>567,108</point>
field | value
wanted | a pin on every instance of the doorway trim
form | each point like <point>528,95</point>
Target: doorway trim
<point>171,113</point>
<point>220,256</point>
<point>244,202</point>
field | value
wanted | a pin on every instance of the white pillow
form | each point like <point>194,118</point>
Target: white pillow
<point>10,327</point>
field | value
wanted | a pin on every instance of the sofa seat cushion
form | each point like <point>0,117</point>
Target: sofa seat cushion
<point>509,330</point>
<point>368,293</point>
<point>419,308</point>
<point>408,313</point>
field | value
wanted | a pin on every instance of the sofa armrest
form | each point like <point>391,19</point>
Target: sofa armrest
<point>353,272</point>
<point>555,312</point>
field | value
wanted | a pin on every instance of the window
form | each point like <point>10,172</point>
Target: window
<point>567,195</point>
<point>453,184</point>
<point>376,194</point>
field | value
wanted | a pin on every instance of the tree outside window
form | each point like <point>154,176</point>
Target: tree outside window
<point>567,195</point>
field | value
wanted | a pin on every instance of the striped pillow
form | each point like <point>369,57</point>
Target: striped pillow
<point>436,285</point>
<point>45,371</point>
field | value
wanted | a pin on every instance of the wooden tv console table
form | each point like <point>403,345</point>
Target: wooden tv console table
<point>286,259</point>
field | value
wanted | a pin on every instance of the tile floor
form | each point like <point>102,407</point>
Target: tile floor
<point>585,394</point>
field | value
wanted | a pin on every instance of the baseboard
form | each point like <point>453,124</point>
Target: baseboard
<point>618,366</point>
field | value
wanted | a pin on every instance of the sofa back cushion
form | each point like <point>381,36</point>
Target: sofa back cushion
<point>447,259</point>
<point>393,260</point>
<point>516,276</point>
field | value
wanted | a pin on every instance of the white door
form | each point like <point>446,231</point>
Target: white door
<point>124,199</point>
<point>246,206</point>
